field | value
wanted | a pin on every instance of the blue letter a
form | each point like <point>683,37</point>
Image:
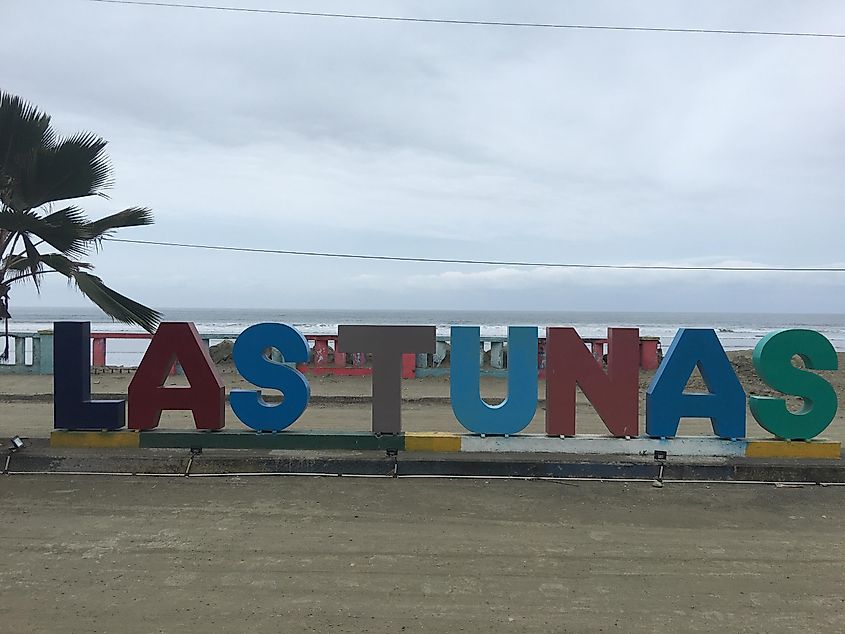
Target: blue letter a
<point>667,402</point>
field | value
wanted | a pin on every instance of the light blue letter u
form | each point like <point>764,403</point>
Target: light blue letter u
<point>518,409</point>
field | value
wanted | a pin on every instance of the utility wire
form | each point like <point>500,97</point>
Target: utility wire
<point>559,265</point>
<point>533,25</point>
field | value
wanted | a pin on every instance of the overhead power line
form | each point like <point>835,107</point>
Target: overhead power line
<point>532,25</point>
<point>559,265</point>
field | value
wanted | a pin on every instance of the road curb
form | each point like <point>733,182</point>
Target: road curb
<point>166,462</point>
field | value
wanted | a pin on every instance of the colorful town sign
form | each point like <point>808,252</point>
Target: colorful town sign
<point>613,393</point>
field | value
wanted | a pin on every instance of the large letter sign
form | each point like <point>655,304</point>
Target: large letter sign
<point>667,402</point>
<point>255,367</point>
<point>615,395</point>
<point>773,362</point>
<point>516,411</point>
<point>206,394</point>
<point>569,366</point>
<point>72,404</point>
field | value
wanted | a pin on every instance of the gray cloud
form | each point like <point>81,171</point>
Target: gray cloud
<point>448,141</point>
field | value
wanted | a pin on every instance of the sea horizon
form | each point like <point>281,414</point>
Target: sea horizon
<point>736,331</point>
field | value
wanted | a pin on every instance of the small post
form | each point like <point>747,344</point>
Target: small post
<point>339,357</point>
<point>409,363</point>
<point>497,355</point>
<point>321,351</point>
<point>439,353</point>
<point>45,352</point>
<point>20,353</point>
<point>649,356</point>
<point>99,352</point>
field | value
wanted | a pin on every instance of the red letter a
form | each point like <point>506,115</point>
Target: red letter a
<point>615,395</point>
<point>205,396</point>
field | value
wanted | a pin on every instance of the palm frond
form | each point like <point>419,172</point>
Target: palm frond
<point>23,129</point>
<point>114,304</point>
<point>33,261</point>
<point>14,263</point>
<point>65,229</point>
<point>64,265</point>
<point>132,217</point>
<point>71,168</point>
<point>55,261</point>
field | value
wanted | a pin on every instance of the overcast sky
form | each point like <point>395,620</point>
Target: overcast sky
<point>454,141</point>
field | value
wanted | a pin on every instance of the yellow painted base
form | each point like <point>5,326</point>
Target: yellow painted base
<point>827,449</point>
<point>95,439</point>
<point>432,441</point>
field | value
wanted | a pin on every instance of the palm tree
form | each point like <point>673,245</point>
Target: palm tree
<point>38,169</point>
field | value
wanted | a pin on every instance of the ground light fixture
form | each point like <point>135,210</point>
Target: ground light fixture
<point>660,457</point>
<point>15,445</point>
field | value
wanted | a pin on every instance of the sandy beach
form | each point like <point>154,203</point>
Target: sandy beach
<point>343,402</point>
<point>442,556</point>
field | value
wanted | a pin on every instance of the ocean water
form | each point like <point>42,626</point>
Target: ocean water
<point>737,331</point>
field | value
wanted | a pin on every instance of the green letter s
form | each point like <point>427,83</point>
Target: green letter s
<point>773,362</point>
